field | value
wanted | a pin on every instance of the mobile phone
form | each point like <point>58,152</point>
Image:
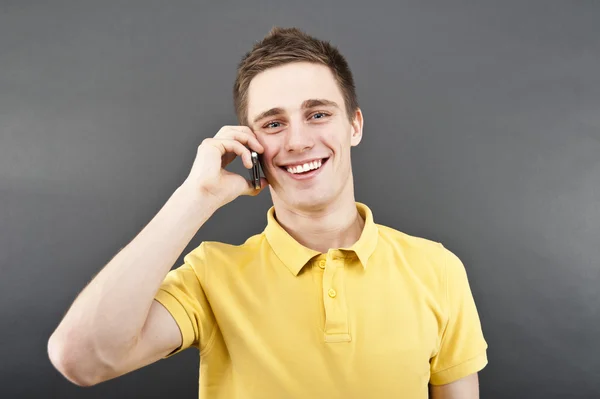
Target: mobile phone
<point>255,171</point>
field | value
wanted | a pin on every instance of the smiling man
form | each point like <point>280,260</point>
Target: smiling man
<point>325,302</point>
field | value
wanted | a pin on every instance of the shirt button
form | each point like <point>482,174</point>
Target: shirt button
<point>322,263</point>
<point>332,293</point>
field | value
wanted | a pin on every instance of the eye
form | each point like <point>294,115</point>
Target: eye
<point>270,125</point>
<point>319,115</point>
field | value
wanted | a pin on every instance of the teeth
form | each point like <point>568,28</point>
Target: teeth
<point>304,168</point>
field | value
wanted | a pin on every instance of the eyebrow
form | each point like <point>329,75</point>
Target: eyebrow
<point>311,103</point>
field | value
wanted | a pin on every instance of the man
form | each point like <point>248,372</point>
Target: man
<point>323,303</point>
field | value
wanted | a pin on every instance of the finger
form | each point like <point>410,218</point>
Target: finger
<point>244,136</point>
<point>233,146</point>
<point>264,183</point>
<point>251,191</point>
<point>227,159</point>
<point>242,185</point>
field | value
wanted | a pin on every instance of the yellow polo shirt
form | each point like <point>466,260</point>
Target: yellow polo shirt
<point>274,319</point>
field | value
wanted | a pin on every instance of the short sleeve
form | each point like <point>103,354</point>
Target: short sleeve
<point>183,295</point>
<point>463,349</point>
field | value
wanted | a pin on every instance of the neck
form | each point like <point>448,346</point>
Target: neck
<point>336,225</point>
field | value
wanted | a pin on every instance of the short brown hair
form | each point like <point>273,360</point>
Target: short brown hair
<point>286,45</point>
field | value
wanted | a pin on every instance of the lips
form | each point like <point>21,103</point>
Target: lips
<point>296,174</point>
<point>306,165</point>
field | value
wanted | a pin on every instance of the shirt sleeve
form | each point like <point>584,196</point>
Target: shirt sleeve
<point>463,349</point>
<point>183,295</point>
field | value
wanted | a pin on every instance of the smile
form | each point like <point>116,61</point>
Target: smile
<point>306,169</point>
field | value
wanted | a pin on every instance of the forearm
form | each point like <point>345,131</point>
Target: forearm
<point>107,317</point>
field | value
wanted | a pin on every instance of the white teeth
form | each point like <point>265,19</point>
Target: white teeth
<point>305,167</point>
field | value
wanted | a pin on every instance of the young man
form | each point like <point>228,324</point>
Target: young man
<point>323,303</point>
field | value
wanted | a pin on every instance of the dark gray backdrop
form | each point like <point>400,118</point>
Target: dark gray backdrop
<point>482,131</point>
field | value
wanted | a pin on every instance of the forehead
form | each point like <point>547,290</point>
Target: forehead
<point>287,86</point>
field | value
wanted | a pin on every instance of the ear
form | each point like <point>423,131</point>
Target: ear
<point>357,128</point>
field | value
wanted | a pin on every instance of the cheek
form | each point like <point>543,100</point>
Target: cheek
<point>270,147</point>
<point>267,156</point>
<point>330,139</point>
<point>336,136</point>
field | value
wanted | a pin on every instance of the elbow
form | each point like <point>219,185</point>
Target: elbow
<point>65,359</point>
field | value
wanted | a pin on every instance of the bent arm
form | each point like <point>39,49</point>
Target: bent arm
<point>114,326</point>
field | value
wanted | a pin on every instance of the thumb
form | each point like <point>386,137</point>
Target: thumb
<point>251,191</point>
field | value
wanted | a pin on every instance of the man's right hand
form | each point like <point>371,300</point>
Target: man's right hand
<point>208,175</point>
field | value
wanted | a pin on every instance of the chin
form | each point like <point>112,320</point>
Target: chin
<point>311,197</point>
<point>310,201</point>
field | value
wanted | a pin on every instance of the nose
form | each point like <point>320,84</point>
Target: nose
<point>298,139</point>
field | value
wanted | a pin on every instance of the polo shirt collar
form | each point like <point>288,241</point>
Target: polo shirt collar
<point>295,255</point>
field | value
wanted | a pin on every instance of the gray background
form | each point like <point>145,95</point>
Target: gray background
<point>482,131</point>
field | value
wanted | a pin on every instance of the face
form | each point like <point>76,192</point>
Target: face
<point>298,114</point>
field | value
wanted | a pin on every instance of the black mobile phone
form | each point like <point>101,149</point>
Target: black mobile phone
<point>255,171</point>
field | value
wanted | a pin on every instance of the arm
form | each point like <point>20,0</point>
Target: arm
<point>114,325</point>
<point>465,388</point>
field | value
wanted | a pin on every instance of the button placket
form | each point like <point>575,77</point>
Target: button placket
<point>336,316</point>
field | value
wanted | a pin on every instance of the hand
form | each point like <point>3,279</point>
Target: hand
<point>208,174</point>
